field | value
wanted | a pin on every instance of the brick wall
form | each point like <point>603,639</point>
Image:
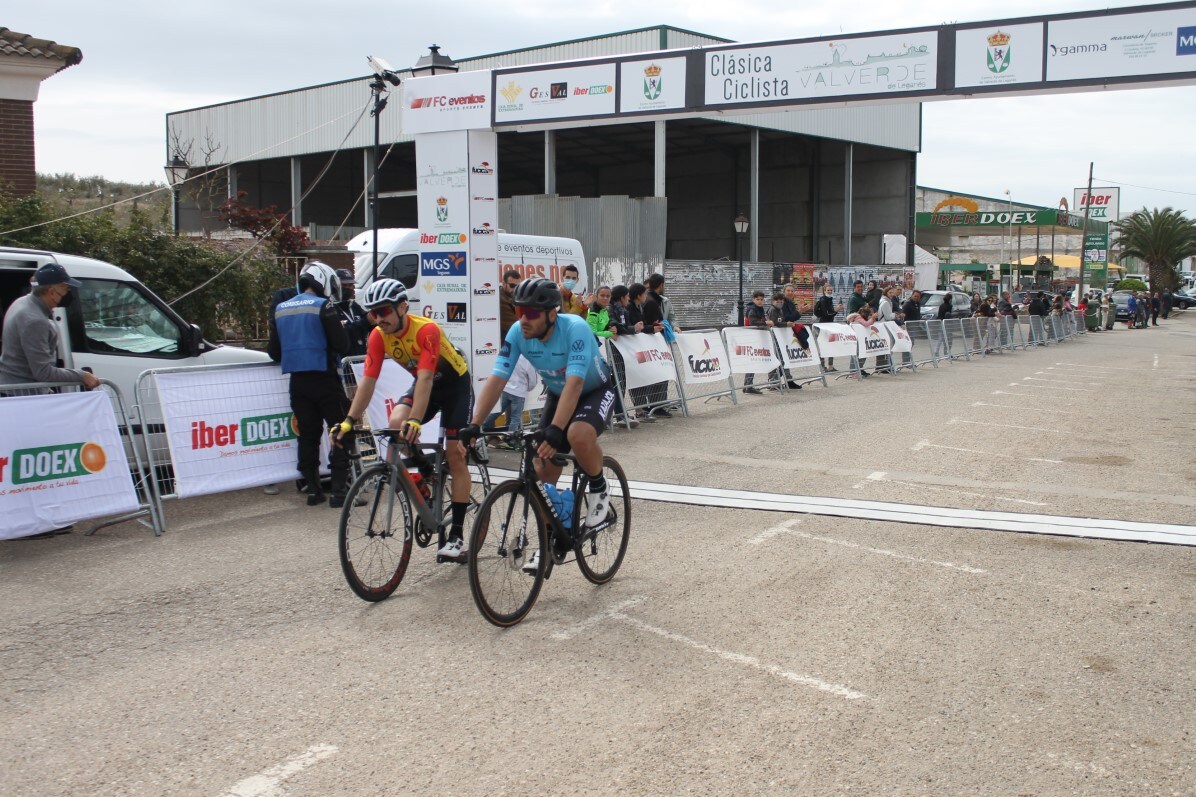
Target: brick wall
<point>17,166</point>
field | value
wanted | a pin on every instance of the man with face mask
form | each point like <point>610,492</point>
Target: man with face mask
<point>30,349</point>
<point>570,301</point>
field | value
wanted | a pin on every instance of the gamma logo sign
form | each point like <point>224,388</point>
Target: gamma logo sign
<point>248,433</point>
<point>47,463</point>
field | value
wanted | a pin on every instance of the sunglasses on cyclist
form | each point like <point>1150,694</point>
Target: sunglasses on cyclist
<point>383,311</point>
<point>530,313</point>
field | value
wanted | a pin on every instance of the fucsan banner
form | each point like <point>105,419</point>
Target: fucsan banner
<point>703,357</point>
<point>61,460</point>
<point>873,340</point>
<point>228,430</point>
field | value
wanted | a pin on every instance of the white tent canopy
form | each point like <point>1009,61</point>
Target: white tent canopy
<point>895,252</point>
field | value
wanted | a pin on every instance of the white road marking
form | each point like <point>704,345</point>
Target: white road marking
<point>1065,376</point>
<point>1012,407</point>
<point>883,552</point>
<point>1022,395</point>
<point>1062,381</point>
<point>605,614</point>
<point>1101,367</point>
<point>749,661</point>
<point>874,476</point>
<point>921,444</point>
<point>1156,362</point>
<point>269,782</point>
<point>1048,387</point>
<point>768,534</point>
<point>1008,426</point>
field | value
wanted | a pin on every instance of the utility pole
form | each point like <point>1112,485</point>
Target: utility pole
<point>1084,233</point>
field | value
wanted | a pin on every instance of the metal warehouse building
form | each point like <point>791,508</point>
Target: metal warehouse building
<point>634,194</point>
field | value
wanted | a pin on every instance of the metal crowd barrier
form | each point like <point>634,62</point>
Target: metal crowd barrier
<point>149,506</point>
<point>773,380</point>
<point>923,334</point>
<point>955,335</point>
<point>668,395</point>
<point>1035,330</point>
<point>706,391</point>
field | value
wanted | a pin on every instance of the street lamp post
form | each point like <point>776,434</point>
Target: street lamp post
<point>176,175</point>
<point>1008,229</point>
<point>383,74</point>
<point>741,228</point>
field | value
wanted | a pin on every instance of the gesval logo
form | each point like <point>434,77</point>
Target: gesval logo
<point>64,461</point>
<point>255,430</point>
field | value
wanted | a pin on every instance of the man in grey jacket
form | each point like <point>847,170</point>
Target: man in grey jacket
<point>30,348</point>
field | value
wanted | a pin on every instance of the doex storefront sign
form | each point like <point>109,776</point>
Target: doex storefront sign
<point>61,460</point>
<point>703,357</point>
<point>647,359</point>
<point>750,350</point>
<point>1103,204</point>
<point>228,430</point>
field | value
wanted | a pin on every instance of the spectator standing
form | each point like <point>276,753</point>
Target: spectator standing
<point>307,337</point>
<point>1156,306</point>
<point>30,347</point>
<point>636,298</point>
<point>514,395</point>
<point>1168,301</point>
<point>357,326</point>
<point>653,311</point>
<point>605,328</point>
<point>872,295</point>
<point>791,317</point>
<point>912,311</point>
<point>1038,307</point>
<point>570,301</point>
<point>825,311</point>
<point>857,298</point>
<point>1005,306</point>
<point>1132,307</point>
<point>506,299</point>
<point>886,312</point>
<point>1107,311</point>
<point>944,312</point>
<point>756,317</point>
<point>655,284</point>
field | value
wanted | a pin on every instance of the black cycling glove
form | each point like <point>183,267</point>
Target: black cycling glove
<point>555,437</point>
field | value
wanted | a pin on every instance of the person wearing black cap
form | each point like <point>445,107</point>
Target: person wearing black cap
<point>30,348</point>
<point>353,317</point>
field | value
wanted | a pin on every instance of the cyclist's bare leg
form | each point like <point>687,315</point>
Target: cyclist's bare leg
<point>459,469</point>
<point>546,472</point>
<point>583,439</point>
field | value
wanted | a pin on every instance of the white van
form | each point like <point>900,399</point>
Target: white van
<point>399,248</point>
<point>116,327</point>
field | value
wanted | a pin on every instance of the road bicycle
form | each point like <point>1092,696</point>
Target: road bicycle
<point>403,499</point>
<point>518,520</point>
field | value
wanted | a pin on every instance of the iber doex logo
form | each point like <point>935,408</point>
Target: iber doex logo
<point>247,432</point>
<point>64,461</point>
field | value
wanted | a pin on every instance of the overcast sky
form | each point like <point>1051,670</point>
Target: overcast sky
<point>143,59</point>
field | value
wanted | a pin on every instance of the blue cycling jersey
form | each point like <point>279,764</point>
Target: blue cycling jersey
<point>571,351</point>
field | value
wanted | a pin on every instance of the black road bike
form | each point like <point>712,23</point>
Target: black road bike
<point>518,520</point>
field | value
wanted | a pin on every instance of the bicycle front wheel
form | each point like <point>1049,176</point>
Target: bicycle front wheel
<point>508,534</point>
<point>375,545</point>
<point>600,550</point>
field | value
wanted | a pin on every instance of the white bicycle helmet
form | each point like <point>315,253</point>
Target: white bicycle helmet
<point>322,278</point>
<point>383,291</point>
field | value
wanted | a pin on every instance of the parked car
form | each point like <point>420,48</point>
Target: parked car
<point>1122,300</point>
<point>1184,298</point>
<point>961,306</point>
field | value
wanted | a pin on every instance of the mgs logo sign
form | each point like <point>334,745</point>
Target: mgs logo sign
<point>442,264</point>
<point>998,52</point>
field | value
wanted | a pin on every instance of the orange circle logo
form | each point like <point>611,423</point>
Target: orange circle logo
<point>462,237</point>
<point>295,425</point>
<point>92,457</point>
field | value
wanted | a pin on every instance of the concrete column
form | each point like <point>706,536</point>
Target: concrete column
<point>550,162</point>
<point>659,159</point>
<point>296,192</point>
<point>231,179</point>
<point>848,159</point>
<point>754,214</point>
<point>367,171</point>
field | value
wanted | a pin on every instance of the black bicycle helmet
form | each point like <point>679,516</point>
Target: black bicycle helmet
<point>538,292</point>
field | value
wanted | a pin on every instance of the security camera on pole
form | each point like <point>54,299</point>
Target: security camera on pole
<point>383,74</point>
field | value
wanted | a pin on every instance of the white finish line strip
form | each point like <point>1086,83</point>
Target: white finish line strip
<point>269,783</point>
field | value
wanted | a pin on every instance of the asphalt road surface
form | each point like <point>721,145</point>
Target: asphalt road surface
<point>737,651</point>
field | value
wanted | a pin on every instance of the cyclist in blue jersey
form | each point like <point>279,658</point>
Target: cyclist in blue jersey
<point>581,394</point>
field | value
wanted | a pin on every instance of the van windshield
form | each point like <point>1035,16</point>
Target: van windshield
<point>116,317</point>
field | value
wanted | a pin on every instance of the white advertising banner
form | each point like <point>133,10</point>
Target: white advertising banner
<point>836,340</point>
<point>62,460</point>
<point>1103,203</point>
<point>484,275</point>
<point>555,93</point>
<point>647,359</point>
<point>447,102</point>
<point>443,204</point>
<point>1122,45</point>
<point>792,354</point>
<point>227,431</point>
<point>827,68</point>
<point>703,357</point>
<point>750,351</point>
<point>393,383</point>
<point>901,339</point>
<point>654,85</point>
<point>872,340</point>
<point>998,56</point>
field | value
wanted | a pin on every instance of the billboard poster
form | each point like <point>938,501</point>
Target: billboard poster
<point>998,56</point>
<point>801,277</point>
<point>554,93</point>
<point>1096,259</point>
<point>655,85</point>
<point>1122,45</point>
<point>827,68</point>
<point>446,102</point>
<point>1103,203</point>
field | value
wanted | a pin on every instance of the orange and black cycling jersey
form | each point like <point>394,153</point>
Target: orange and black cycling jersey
<point>420,347</point>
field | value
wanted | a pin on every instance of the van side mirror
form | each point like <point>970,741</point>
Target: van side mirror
<point>194,340</point>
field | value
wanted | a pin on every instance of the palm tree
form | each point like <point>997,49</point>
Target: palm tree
<point>1160,239</point>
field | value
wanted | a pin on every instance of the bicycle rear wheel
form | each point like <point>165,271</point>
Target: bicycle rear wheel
<point>506,534</point>
<point>375,545</point>
<point>600,550</point>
